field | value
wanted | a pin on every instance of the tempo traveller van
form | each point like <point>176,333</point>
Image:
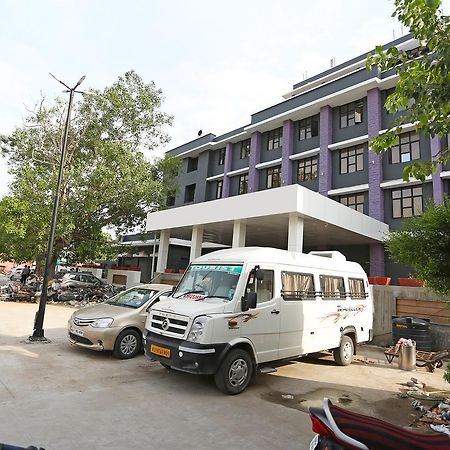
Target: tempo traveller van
<point>235,310</point>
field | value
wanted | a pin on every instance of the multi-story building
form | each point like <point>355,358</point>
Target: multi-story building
<point>301,175</point>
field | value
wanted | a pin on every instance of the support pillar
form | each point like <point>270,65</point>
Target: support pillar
<point>226,169</point>
<point>295,233</point>
<point>196,242</point>
<point>376,196</point>
<point>326,130</point>
<point>163,250</point>
<point>438,184</point>
<point>239,233</point>
<point>376,260</point>
<point>254,159</point>
<point>287,151</point>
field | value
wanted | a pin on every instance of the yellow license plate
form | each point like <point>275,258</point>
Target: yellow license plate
<point>161,351</point>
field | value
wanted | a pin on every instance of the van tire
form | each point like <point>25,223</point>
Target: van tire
<point>343,355</point>
<point>128,344</point>
<point>235,372</point>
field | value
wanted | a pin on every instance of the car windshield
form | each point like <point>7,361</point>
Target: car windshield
<point>133,298</point>
<point>214,281</point>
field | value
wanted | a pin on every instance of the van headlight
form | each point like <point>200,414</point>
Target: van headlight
<point>197,329</point>
<point>102,323</point>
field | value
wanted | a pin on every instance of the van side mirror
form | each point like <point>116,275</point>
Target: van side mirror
<point>244,306</point>
<point>251,300</point>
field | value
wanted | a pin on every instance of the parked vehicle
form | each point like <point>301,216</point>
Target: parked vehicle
<point>235,310</point>
<point>118,323</point>
<point>16,273</point>
<point>79,279</point>
<point>340,429</point>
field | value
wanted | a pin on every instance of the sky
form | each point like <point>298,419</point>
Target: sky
<point>216,62</point>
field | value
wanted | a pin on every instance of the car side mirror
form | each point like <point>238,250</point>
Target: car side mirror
<point>252,299</point>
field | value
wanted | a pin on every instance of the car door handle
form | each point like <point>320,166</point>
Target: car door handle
<point>274,311</point>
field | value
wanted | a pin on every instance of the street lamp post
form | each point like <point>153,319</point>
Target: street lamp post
<point>38,332</point>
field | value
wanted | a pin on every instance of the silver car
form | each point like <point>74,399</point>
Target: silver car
<point>79,280</point>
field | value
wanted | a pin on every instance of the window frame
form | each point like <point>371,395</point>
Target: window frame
<point>358,296</point>
<point>273,173</point>
<point>274,138</point>
<point>309,127</point>
<point>306,163</point>
<point>356,202</point>
<point>245,148</point>
<point>188,189</point>
<point>221,156</point>
<point>346,155</point>
<point>243,183</point>
<point>404,204</point>
<point>328,295</point>
<point>298,295</point>
<point>407,150</point>
<point>349,113</point>
<point>192,165</point>
<point>219,189</point>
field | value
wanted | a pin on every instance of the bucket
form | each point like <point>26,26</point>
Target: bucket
<point>407,357</point>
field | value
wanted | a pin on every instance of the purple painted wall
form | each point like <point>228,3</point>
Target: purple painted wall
<point>376,260</point>
<point>288,149</point>
<point>376,198</point>
<point>326,127</point>
<point>438,184</point>
<point>226,169</point>
<point>255,158</point>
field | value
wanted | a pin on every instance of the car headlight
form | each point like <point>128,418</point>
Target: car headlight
<point>197,329</point>
<point>103,323</point>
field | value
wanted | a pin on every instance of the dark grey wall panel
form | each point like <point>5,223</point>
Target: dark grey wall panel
<point>342,134</point>
<point>192,144</point>
<point>237,162</point>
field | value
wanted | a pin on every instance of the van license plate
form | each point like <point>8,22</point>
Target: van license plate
<point>161,351</point>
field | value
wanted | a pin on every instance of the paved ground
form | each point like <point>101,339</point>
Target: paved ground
<point>63,397</point>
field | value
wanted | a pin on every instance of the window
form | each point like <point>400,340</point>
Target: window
<point>219,188</point>
<point>221,157</point>
<point>274,140</point>
<point>332,287</point>
<point>354,201</point>
<point>350,114</point>
<point>297,286</point>
<point>264,287</point>
<point>170,200</point>
<point>243,184</point>
<point>307,169</point>
<point>356,287</point>
<point>407,148</point>
<point>189,193</point>
<point>407,202</point>
<point>192,164</point>
<point>352,159</point>
<point>273,177</point>
<point>309,127</point>
<point>245,149</point>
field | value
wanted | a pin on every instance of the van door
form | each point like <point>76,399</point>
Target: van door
<point>298,327</point>
<point>262,324</point>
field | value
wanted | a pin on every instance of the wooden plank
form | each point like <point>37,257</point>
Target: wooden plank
<point>430,311</point>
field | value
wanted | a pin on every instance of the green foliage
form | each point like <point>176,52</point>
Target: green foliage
<point>422,93</point>
<point>447,374</point>
<point>423,243</point>
<point>107,181</point>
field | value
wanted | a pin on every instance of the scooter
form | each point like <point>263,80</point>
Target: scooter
<point>339,429</point>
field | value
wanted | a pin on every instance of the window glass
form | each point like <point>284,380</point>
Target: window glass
<point>274,138</point>
<point>357,290</point>
<point>351,114</point>
<point>297,286</point>
<point>407,148</point>
<point>221,157</point>
<point>407,202</point>
<point>307,169</point>
<point>273,177</point>
<point>352,159</point>
<point>332,287</point>
<point>219,188</point>
<point>245,148</point>
<point>243,184</point>
<point>264,287</point>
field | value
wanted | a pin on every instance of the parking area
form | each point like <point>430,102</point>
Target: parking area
<point>62,397</point>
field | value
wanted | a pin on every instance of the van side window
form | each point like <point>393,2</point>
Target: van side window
<point>332,287</point>
<point>357,290</point>
<point>264,287</point>
<point>297,286</point>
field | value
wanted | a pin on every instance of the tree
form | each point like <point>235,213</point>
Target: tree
<point>423,243</point>
<point>422,92</point>
<point>107,180</point>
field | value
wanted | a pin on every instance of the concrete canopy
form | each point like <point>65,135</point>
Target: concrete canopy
<point>267,214</point>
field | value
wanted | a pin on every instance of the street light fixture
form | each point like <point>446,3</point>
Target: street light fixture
<point>38,332</point>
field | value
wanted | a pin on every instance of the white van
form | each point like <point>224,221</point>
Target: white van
<point>237,309</point>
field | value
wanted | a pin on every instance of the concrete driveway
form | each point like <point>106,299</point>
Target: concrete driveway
<point>62,397</point>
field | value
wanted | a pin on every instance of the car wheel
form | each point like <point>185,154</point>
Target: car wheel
<point>128,344</point>
<point>234,373</point>
<point>343,355</point>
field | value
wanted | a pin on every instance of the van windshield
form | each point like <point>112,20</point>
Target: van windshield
<point>215,281</point>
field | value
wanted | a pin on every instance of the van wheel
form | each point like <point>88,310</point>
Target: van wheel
<point>234,373</point>
<point>127,345</point>
<point>343,355</point>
